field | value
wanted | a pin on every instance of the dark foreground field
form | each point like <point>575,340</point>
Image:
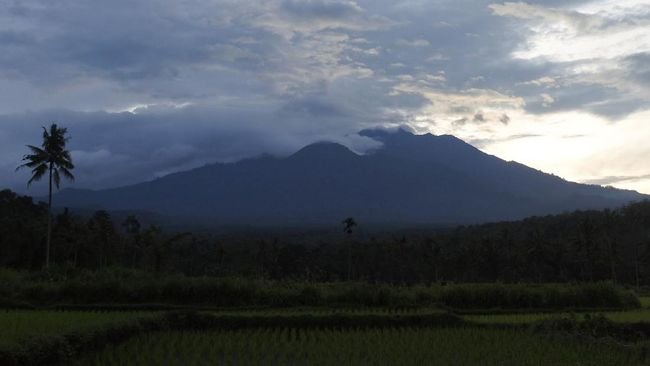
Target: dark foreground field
<point>389,346</point>
<point>321,337</point>
<point>148,320</point>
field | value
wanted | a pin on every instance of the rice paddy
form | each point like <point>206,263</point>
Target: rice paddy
<point>404,346</point>
<point>339,336</point>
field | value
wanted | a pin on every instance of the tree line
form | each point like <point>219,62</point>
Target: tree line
<point>583,246</point>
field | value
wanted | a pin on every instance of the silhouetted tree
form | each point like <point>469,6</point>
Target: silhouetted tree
<point>150,241</point>
<point>104,235</point>
<point>52,158</point>
<point>609,227</point>
<point>348,224</point>
<point>132,227</point>
<point>431,251</point>
<point>163,248</point>
<point>21,221</point>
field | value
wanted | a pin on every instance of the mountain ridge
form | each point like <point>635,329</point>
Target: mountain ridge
<point>412,179</point>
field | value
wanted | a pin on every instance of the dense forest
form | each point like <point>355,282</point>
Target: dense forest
<point>579,246</point>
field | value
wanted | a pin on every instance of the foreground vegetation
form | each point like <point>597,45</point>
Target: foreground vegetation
<point>124,287</point>
<point>405,346</point>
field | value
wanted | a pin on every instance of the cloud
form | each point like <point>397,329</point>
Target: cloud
<point>413,43</point>
<point>638,67</point>
<point>476,105</point>
<point>592,45</point>
<point>321,9</point>
<point>545,81</point>
<point>547,100</point>
<point>567,19</point>
<point>605,181</point>
<point>292,17</point>
<point>485,142</point>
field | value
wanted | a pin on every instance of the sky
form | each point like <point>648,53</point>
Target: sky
<point>147,88</point>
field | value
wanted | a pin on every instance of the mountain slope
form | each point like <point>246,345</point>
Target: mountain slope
<point>411,180</point>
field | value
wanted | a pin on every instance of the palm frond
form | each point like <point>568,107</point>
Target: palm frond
<point>37,173</point>
<point>39,156</point>
<point>31,163</point>
<point>36,150</point>
<point>64,160</point>
<point>46,136</point>
<point>67,164</point>
<point>66,173</point>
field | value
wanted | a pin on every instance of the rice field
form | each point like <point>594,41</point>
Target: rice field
<point>278,344</point>
<point>17,325</point>
<point>460,346</point>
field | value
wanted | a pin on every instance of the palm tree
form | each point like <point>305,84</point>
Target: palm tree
<point>348,224</point>
<point>52,158</point>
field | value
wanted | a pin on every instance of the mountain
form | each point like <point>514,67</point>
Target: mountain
<point>411,179</point>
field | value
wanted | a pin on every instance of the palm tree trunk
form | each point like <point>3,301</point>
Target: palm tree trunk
<point>49,223</point>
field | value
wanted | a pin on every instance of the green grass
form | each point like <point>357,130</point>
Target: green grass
<point>460,346</point>
<point>18,325</point>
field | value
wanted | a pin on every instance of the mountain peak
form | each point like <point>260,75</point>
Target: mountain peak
<point>323,149</point>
